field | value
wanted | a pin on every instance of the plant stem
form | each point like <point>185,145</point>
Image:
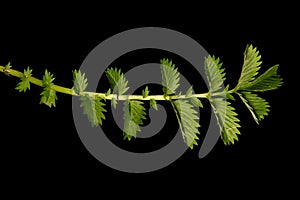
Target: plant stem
<point>36,81</point>
<point>149,97</point>
<point>64,90</point>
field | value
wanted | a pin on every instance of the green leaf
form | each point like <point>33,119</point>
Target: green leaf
<point>188,121</point>
<point>250,67</point>
<point>134,114</point>
<point>153,104</point>
<point>227,120</point>
<point>8,66</point>
<point>196,102</point>
<point>269,80</point>
<point>6,69</point>
<point>80,81</point>
<point>145,92</point>
<point>48,95</point>
<point>170,77</point>
<point>189,92</point>
<point>114,102</point>
<point>27,72</point>
<point>214,72</point>
<point>228,95</point>
<point>117,80</point>
<point>108,92</point>
<point>257,106</point>
<point>47,79</point>
<point>249,83</point>
<point>24,84</point>
<point>93,107</point>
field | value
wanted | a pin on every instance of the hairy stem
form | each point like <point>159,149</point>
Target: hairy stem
<point>69,91</point>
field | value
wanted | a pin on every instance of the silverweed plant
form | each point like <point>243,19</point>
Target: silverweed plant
<point>249,85</point>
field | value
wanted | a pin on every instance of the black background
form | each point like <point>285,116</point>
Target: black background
<point>40,147</point>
